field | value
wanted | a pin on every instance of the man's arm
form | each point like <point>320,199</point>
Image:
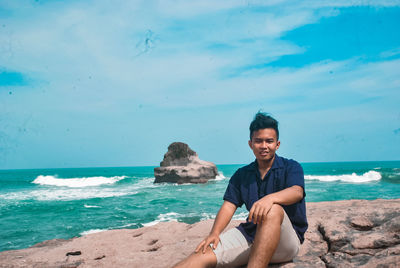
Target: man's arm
<point>224,216</point>
<point>288,196</point>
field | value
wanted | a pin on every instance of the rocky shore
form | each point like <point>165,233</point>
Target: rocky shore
<point>353,233</point>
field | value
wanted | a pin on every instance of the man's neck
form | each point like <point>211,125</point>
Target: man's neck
<point>265,165</point>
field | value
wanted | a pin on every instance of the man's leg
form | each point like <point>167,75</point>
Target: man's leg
<point>267,238</point>
<point>199,260</point>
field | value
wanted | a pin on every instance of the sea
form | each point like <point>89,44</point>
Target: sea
<point>43,204</point>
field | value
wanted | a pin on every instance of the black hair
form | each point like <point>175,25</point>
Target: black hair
<point>263,120</point>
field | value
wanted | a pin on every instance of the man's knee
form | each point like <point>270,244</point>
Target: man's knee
<point>275,214</point>
<point>199,259</point>
<point>208,258</point>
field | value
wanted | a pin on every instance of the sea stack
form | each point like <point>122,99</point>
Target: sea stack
<point>182,165</point>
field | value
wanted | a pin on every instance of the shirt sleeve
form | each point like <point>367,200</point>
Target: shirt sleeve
<point>232,193</point>
<point>295,175</point>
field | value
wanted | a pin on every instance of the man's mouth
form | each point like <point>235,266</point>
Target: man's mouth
<point>263,153</point>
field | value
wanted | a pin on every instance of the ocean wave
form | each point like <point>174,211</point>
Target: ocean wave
<point>78,189</point>
<point>240,216</point>
<point>369,176</point>
<point>89,206</point>
<point>220,176</point>
<point>76,182</point>
<point>127,225</point>
<point>147,183</point>
<point>171,216</point>
<point>174,217</point>
<point>93,231</point>
<point>65,194</point>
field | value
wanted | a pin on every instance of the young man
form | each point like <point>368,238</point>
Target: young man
<point>272,188</point>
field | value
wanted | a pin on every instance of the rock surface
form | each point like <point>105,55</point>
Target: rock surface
<point>355,233</point>
<point>182,165</point>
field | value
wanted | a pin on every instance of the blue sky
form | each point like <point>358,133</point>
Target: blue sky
<point>100,83</point>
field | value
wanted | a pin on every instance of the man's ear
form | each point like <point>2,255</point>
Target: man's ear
<point>278,143</point>
<point>250,144</point>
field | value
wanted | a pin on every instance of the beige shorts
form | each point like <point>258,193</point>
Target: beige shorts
<point>234,250</point>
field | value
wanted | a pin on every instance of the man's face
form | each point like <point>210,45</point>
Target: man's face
<point>264,143</point>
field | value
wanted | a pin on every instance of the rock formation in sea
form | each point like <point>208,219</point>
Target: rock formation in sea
<point>353,233</point>
<point>182,165</point>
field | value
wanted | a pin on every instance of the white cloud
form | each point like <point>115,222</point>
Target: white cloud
<point>187,9</point>
<point>276,25</point>
<point>107,44</point>
<point>327,3</point>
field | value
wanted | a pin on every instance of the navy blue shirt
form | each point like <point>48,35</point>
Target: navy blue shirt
<point>246,187</point>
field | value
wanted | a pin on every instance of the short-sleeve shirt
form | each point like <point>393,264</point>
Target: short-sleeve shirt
<point>246,187</point>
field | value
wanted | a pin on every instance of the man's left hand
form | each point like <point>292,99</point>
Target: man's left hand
<point>260,209</point>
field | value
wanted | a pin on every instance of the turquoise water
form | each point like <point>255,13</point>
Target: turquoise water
<point>42,204</point>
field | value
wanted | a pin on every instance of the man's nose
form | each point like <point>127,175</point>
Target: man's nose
<point>264,144</point>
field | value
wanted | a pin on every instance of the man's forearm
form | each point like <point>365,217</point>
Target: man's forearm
<point>223,218</point>
<point>287,196</point>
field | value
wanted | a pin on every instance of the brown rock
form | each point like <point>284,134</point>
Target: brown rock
<point>361,223</point>
<point>182,165</point>
<point>179,154</point>
<point>342,226</point>
<point>331,241</point>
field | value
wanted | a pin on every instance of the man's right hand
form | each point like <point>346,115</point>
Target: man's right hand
<point>224,216</point>
<point>210,239</point>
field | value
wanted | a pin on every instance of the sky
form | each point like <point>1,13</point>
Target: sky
<point>112,83</point>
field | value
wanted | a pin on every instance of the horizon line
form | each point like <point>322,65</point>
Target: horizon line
<point>150,166</point>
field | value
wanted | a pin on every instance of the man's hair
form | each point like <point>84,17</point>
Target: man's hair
<point>263,120</point>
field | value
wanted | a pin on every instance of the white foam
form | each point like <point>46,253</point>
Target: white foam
<point>93,231</point>
<point>76,182</point>
<point>395,175</point>
<point>240,216</point>
<point>148,224</point>
<point>88,206</point>
<point>352,178</point>
<point>207,216</point>
<point>171,216</point>
<point>220,176</point>
<point>146,183</point>
<point>126,225</point>
<point>65,194</point>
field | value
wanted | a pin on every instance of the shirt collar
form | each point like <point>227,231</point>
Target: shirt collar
<point>278,163</point>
